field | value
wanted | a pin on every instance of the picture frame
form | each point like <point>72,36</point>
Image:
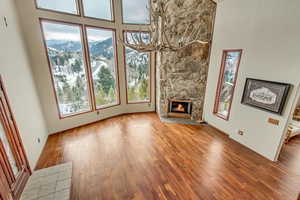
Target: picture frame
<point>265,95</point>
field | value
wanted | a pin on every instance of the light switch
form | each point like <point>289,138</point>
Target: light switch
<point>273,121</point>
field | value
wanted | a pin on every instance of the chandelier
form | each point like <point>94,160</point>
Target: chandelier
<point>159,39</point>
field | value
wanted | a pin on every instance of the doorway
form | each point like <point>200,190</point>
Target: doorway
<point>290,151</point>
<point>14,167</point>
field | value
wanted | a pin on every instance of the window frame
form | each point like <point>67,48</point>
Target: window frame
<point>86,68</point>
<point>88,59</point>
<point>119,28</point>
<point>221,80</point>
<point>125,69</point>
<point>122,16</point>
<point>112,9</point>
<point>78,9</point>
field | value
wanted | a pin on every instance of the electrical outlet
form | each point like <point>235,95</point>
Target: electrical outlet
<point>240,132</point>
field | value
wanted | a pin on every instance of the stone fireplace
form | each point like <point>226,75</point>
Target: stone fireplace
<point>183,74</point>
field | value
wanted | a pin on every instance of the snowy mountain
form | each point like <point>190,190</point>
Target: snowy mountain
<point>64,45</point>
<point>103,49</point>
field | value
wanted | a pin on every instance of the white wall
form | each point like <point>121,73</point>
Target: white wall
<point>32,32</point>
<point>16,74</point>
<point>268,31</point>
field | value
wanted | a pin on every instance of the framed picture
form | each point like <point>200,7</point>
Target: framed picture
<point>266,95</point>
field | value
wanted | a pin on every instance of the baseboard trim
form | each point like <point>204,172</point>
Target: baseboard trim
<point>89,123</point>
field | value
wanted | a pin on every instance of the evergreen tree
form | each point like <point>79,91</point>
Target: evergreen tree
<point>100,97</point>
<point>76,67</point>
<point>111,96</point>
<point>60,94</point>
<point>78,91</point>
<point>67,92</point>
<point>132,94</point>
<point>105,79</point>
<point>143,90</point>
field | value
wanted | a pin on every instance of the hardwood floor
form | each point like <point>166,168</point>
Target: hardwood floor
<point>140,158</point>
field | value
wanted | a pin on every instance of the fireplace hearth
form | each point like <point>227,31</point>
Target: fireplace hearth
<point>180,108</point>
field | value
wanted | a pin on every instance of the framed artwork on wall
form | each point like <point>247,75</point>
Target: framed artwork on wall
<point>266,95</point>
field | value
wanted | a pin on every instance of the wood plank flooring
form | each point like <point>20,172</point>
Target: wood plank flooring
<point>137,157</point>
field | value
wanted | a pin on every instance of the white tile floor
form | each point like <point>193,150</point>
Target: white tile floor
<point>53,183</point>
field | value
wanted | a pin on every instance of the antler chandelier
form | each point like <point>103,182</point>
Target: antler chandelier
<point>160,40</point>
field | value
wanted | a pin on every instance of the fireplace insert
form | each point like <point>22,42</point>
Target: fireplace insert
<point>180,108</point>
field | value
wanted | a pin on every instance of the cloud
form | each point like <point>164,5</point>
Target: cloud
<point>136,11</point>
<point>59,5</point>
<point>98,34</point>
<point>55,31</point>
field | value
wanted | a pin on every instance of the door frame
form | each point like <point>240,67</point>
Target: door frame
<point>290,116</point>
<point>17,182</point>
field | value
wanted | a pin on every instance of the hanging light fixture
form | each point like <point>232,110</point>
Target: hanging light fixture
<point>160,40</point>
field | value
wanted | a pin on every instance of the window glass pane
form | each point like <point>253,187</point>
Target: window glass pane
<point>137,71</point>
<point>226,92</point>
<point>8,150</point>
<point>100,9</point>
<point>136,11</point>
<point>66,58</point>
<point>68,6</point>
<point>102,58</point>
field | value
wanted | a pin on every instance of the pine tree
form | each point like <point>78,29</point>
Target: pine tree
<point>132,94</point>
<point>60,94</point>
<point>76,67</point>
<point>78,91</point>
<point>143,90</point>
<point>106,79</point>
<point>100,97</point>
<point>67,92</point>
<point>111,96</point>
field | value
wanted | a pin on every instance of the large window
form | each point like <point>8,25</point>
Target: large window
<point>101,44</point>
<point>137,71</point>
<point>100,9</point>
<point>67,6</point>
<point>227,81</point>
<point>65,53</point>
<point>83,52</point>
<point>136,11</point>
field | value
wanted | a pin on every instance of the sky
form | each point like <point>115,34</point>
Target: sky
<point>134,11</point>
<point>55,31</point>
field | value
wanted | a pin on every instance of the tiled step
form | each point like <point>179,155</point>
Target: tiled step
<point>53,183</point>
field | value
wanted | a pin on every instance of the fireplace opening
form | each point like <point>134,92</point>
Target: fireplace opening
<point>180,108</point>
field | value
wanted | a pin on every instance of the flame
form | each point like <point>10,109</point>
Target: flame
<point>180,108</point>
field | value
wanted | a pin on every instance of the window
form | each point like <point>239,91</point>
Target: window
<point>103,66</point>
<point>67,6</point>
<point>226,84</point>
<point>65,54</point>
<point>136,11</point>
<point>137,71</point>
<point>83,54</point>
<point>100,9</point>
<point>8,150</point>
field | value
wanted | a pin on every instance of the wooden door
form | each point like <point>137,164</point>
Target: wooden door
<point>14,167</point>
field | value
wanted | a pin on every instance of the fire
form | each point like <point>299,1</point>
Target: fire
<point>180,108</point>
